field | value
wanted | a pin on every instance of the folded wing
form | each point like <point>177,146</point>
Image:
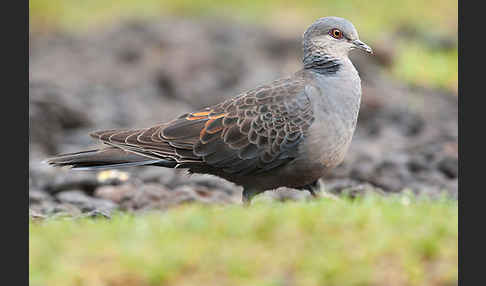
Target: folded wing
<point>252,133</point>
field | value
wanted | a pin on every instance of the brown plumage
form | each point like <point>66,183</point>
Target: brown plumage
<point>262,139</point>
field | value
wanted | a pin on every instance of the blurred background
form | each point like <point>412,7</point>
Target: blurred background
<point>109,64</point>
<point>127,64</point>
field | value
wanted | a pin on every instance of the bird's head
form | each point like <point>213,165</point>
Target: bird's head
<point>333,36</point>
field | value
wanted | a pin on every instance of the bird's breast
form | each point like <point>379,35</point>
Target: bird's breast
<point>336,106</point>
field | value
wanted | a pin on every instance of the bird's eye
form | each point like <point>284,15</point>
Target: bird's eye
<point>335,33</point>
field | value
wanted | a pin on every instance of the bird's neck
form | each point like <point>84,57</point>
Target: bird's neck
<point>323,65</point>
<point>319,60</point>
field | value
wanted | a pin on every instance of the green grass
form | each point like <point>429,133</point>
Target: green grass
<point>421,66</point>
<point>372,241</point>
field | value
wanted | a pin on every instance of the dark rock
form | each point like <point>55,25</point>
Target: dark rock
<point>145,196</point>
<point>449,167</point>
<point>418,164</point>
<point>389,175</point>
<point>114,193</point>
<point>84,202</point>
<point>212,183</point>
<point>159,175</point>
<point>410,124</point>
<point>351,188</point>
<point>130,55</point>
<point>283,194</point>
<point>336,186</point>
<point>38,196</point>
<point>35,215</point>
<point>96,214</point>
<point>50,114</point>
<point>165,84</point>
<point>85,181</point>
<point>361,190</point>
<point>63,210</point>
<point>187,194</point>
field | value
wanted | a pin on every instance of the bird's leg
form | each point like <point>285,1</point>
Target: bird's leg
<point>248,195</point>
<point>312,187</point>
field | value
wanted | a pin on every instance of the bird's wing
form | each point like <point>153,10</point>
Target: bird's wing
<point>254,132</point>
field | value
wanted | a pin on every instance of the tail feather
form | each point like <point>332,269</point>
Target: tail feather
<point>106,158</point>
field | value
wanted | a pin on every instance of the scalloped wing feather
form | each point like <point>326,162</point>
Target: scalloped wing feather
<point>252,133</point>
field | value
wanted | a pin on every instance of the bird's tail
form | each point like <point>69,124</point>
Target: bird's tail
<point>106,158</point>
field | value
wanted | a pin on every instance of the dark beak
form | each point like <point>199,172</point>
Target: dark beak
<point>362,46</point>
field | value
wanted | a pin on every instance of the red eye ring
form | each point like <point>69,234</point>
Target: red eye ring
<point>336,33</point>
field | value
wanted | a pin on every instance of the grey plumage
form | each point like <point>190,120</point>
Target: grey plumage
<point>286,133</point>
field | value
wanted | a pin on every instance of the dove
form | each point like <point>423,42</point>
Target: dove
<point>288,132</point>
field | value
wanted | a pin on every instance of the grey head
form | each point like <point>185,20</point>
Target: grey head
<point>328,41</point>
